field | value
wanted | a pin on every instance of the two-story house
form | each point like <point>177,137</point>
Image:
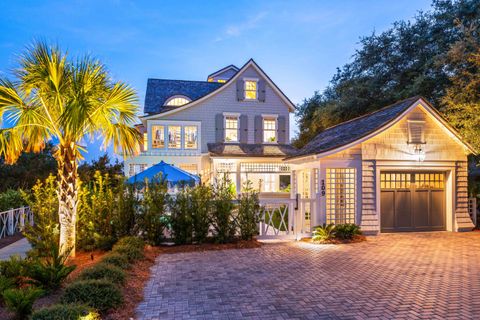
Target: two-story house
<point>236,123</point>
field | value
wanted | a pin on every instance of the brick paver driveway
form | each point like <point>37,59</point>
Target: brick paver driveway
<point>422,275</point>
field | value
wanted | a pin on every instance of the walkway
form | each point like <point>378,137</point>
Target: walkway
<point>401,276</point>
<point>17,248</point>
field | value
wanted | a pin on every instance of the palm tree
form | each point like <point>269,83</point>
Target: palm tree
<point>66,101</point>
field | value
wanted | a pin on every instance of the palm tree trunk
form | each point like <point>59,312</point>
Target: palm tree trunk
<point>67,197</point>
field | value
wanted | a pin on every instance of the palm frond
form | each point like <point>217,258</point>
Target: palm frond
<point>11,144</point>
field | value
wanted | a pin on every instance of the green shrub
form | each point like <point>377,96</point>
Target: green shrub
<point>117,260</point>
<point>222,212</point>
<point>20,301</point>
<point>103,271</point>
<point>248,209</point>
<point>125,219</point>
<point>99,294</point>
<point>11,199</point>
<point>14,268</point>
<point>43,201</point>
<point>6,283</point>
<point>131,241</point>
<point>50,271</point>
<point>181,218</point>
<point>347,231</point>
<point>130,252</point>
<point>324,232</point>
<point>200,208</point>
<point>153,218</point>
<point>66,312</point>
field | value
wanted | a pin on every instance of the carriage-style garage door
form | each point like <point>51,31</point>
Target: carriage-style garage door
<point>412,201</point>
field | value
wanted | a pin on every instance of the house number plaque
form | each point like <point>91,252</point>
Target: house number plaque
<point>322,188</point>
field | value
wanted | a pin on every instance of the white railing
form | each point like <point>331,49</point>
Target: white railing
<point>472,210</point>
<point>14,220</point>
<point>277,218</point>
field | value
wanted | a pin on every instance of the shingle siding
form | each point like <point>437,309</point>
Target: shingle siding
<point>226,101</point>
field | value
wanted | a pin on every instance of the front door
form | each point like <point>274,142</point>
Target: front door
<point>412,201</point>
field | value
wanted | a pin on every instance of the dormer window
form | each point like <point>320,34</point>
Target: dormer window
<point>177,101</point>
<point>250,87</point>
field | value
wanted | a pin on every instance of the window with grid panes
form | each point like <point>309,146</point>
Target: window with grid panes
<point>341,195</point>
<point>231,129</point>
<point>269,130</point>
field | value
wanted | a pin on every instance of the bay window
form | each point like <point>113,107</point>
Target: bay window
<point>190,137</point>
<point>174,137</point>
<point>158,137</point>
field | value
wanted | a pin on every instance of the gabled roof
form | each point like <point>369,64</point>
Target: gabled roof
<point>353,131</point>
<point>233,67</point>
<point>250,150</point>
<point>160,90</point>
<point>221,87</point>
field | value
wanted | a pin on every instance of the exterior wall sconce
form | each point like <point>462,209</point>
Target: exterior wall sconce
<point>419,152</point>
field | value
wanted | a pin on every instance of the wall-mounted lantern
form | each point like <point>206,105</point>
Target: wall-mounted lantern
<point>419,152</point>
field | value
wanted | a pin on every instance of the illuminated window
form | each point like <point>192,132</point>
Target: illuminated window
<point>250,90</point>
<point>145,142</point>
<point>189,167</point>
<point>177,101</point>
<point>341,195</point>
<point>231,129</point>
<point>174,137</point>
<point>221,80</point>
<point>158,137</point>
<point>190,137</point>
<point>269,130</point>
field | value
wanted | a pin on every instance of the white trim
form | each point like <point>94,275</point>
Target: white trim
<point>450,188</point>
<point>166,150</point>
<point>250,63</point>
<point>270,117</point>
<point>245,79</point>
<point>419,103</point>
<point>175,97</point>
<point>231,114</point>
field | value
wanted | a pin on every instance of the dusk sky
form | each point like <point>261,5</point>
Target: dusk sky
<point>299,44</point>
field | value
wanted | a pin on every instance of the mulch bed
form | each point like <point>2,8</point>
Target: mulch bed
<point>10,239</point>
<point>356,239</point>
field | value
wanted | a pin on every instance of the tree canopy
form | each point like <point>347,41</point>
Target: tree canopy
<point>437,55</point>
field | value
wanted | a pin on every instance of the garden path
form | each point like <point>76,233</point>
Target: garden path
<point>19,247</point>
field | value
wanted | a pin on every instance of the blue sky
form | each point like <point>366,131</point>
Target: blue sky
<point>298,43</point>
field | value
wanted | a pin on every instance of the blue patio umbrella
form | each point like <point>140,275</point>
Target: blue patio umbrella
<point>171,174</point>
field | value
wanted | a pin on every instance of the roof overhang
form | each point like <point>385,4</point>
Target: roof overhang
<point>250,63</point>
<point>423,103</point>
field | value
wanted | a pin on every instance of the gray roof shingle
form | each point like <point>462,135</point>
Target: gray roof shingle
<point>160,90</point>
<point>355,129</point>
<point>250,150</point>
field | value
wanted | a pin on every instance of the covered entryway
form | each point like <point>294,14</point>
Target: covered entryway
<point>412,201</point>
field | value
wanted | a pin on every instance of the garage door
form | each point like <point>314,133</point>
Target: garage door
<point>412,201</point>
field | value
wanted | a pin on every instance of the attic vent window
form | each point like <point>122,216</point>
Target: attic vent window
<point>177,101</point>
<point>416,132</point>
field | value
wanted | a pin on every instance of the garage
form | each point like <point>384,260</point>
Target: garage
<point>412,201</point>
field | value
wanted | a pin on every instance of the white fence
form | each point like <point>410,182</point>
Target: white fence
<point>14,220</point>
<point>286,218</point>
